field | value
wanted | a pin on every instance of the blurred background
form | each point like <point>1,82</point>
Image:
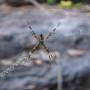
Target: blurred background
<point>69,46</point>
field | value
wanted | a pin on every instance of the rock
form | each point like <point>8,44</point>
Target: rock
<point>15,37</point>
<point>2,1</point>
<point>45,75</point>
<point>86,9</point>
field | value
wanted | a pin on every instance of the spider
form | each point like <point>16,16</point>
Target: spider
<point>41,41</point>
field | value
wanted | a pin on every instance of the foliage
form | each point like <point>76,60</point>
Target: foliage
<point>77,2</point>
<point>66,4</point>
<point>69,4</point>
<point>50,1</point>
<point>77,5</point>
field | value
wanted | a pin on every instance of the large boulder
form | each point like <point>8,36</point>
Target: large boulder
<point>15,37</point>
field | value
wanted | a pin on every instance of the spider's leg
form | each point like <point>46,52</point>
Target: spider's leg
<point>45,48</point>
<point>33,33</point>
<point>35,48</point>
<point>51,55</point>
<point>50,34</point>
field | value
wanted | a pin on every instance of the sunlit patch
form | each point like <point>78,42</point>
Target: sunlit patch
<point>6,62</point>
<point>75,52</point>
<point>31,87</point>
<point>37,62</point>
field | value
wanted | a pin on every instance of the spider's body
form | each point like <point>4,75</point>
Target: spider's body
<point>40,44</point>
<point>41,39</point>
